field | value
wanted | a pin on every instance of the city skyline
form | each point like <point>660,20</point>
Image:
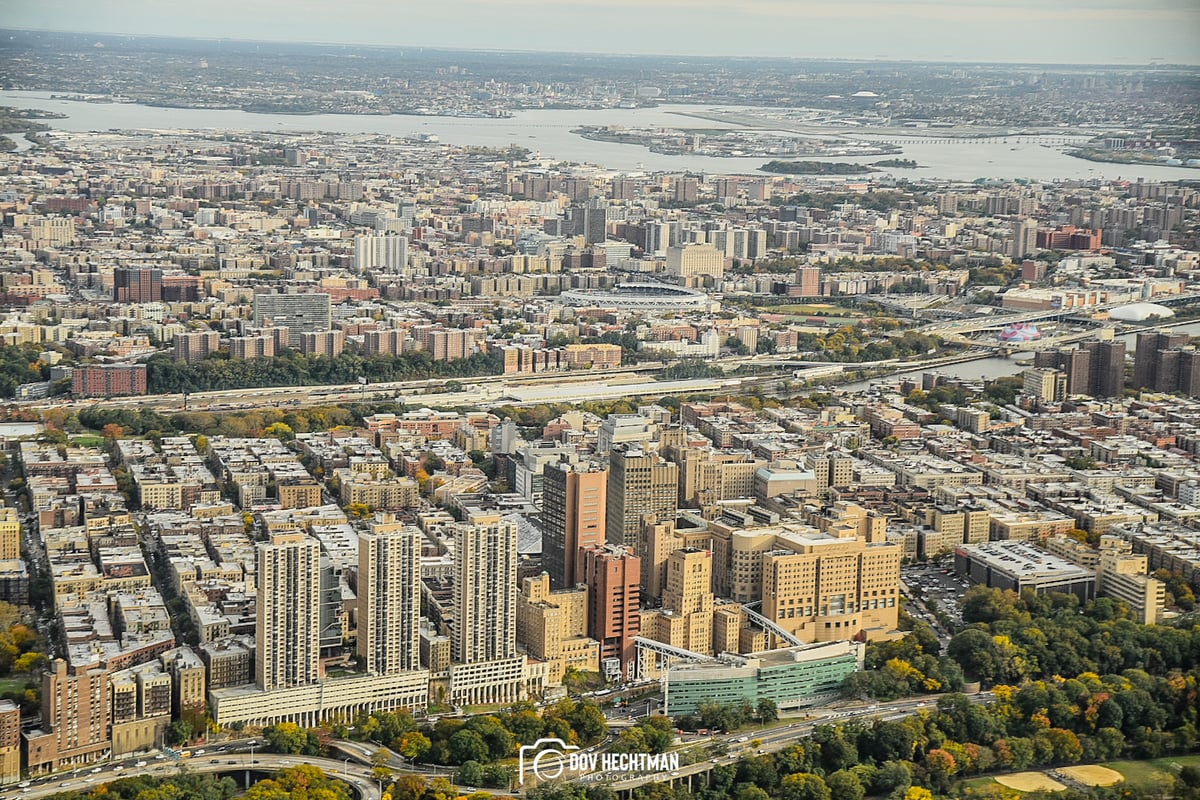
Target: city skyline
<point>1018,31</point>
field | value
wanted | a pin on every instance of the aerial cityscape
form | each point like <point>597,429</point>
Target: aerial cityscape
<point>396,419</point>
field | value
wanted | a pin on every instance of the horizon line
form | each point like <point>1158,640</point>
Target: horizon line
<point>1152,64</point>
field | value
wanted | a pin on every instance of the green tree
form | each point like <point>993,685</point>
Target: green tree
<point>767,710</point>
<point>804,786</point>
<point>470,773</point>
<point>465,746</point>
<point>286,737</point>
<point>845,785</point>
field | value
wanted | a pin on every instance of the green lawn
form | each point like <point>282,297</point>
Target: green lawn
<point>1139,775</point>
<point>978,783</point>
<point>88,440</point>
<point>12,684</point>
<point>1153,774</point>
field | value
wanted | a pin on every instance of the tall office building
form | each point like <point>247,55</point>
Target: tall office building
<point>821,587</point>
<point>386,252</point>
<point>287,633</point>
<point>195,346</point>
<point>252,347</point>
<point>1024,237</point>
<point>10,742</point>
<point>108,380</point>
<point>612,575</point>
<point>389,596</point>
<point>10,534</point>
<point>1150,360</point>
<point>57,231</point>
<point>448,345</point>
<point>299,313</point>
<point>76,718</point>
<point>809,281</point>
<point>1189,373</point>
<point>657,237</point>
<point>1108,368</point>
<point>639,484</point>
<point>137,285</point>
<point>1076,364</point>
<point>485,589</point>
<point>695,259</point>
<point>689,599</point>
<point>1047,385</point>
<point>574,499</point>
<point>323,343</point>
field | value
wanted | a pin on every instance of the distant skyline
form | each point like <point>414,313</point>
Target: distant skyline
<point>1122,32</point>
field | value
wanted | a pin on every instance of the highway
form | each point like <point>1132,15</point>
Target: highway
<point>355,768</point>
<point>88,778</point>
<point>773,740</point>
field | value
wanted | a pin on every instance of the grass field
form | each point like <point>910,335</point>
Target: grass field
<point>1030,782</point>
<point>1140,776</point>
<point>88,440</point>
<point>1153,774</point>
<point>814,310</point>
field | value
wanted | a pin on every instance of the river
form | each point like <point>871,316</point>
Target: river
<point>996,367</point>
<point>548,133</point>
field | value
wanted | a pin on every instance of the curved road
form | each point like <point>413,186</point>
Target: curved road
<point>88,778</point>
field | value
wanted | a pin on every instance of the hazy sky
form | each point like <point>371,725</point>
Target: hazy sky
<point>1045,31</point>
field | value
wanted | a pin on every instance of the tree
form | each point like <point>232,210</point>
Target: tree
<point>466,746</point>
<point>975,652</point>
<point>588,721</point>
<point>408,787</point>
<point>280,431</point>
<point>767,710</point>
<point>286,737</point>
<point>470,773</point>
<point>845,785</point>
<point>804,786</point>
<point>413,745</point>
<point>751,792</point>
<point>302,781</point>
<point>891,776</point>
<point>939,767</point>
<point>497,738</point>
<point>381,758</point>
<point>178,732</point>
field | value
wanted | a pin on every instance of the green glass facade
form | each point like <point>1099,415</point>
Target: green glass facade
<point>778,675</point>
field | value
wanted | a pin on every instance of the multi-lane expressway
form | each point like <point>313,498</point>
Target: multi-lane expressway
<point>356,767</point>
<point>239,765</point>
<point>775,739</point>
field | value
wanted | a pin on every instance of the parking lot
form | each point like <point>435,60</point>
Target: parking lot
<point>936,581</point>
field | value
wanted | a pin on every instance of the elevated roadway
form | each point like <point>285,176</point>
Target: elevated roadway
<point>241,767</point>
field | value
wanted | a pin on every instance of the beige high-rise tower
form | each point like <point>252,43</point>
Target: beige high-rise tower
<point>288,631</point>
<point>686,617</point>
<point>639,483</point>
<point>485,589</point>
<point>389,596</point>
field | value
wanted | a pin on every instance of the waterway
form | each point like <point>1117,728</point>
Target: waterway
<point>997,367</point>
<point>548,134</point>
